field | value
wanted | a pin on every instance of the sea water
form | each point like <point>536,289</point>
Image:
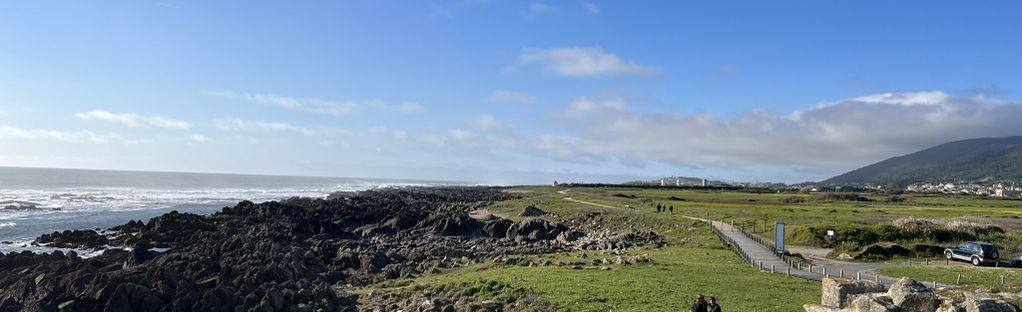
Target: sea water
<point>35,201</point>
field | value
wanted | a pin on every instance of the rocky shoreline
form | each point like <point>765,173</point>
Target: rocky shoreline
<point>299,254</point>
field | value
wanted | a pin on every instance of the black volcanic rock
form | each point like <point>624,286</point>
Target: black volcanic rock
<point>73,239</point>
<point>298,254</point>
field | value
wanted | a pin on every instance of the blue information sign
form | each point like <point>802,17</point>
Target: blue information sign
<point>779,237</point>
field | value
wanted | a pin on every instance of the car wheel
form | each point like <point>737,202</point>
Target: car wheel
<point>948,255</point>
<point>1016,263</point>
<point>975,261</point>
<point>995,255</point>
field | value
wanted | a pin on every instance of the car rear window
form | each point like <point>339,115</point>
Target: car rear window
<point>987,249</point>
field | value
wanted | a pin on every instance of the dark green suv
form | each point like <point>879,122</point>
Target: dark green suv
<point>978,253</point>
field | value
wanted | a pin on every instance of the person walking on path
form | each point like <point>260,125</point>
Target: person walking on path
<point>713,306</point>
<point>700,304</point>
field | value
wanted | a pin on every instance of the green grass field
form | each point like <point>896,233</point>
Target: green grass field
<point>808,216</point>
<point>676,275</point>
<point>696,262</point>
<point>980,277</point>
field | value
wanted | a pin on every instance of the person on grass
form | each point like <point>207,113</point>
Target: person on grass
<point>700,304</point>
<point>713,306</point>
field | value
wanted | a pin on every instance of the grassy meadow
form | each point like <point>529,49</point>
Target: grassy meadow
<point>694,261</point>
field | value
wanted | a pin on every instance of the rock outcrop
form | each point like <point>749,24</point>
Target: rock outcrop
<point>905,295</point>
<point>913,296</point>
<point>840,292</point>
<point>298,254</point>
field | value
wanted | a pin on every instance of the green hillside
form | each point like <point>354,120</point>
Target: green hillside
<point>973,160</point>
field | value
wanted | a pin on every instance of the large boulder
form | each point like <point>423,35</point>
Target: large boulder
<point>875,303</point>
<point>839,292</point>
<point>535,229</point>
<point>73,239</point>
<point>913,296</point>
<point>986,303</point>
<point>532,211</point>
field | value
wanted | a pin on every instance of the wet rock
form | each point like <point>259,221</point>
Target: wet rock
<point>73,239</point>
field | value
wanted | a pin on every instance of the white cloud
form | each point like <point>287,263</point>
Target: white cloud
<point>238,124</point>
<point>169,123</point>
<point>2,112</point>
<point>127,119</point>
<point>132,119</point>
<point>510,97</point>
<point>486,121</point>
<point>590,8</point>
<point>198,137</point>
<point>538,8</point>
<point>321,106</point>
<point>824,140</point>
<point>582,62</point>
<point>8,132</point>
<point>386,132</point>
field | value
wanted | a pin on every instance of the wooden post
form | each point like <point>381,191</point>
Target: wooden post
<point>947,262</point>
<point>858,276</point>
<point>810,268</point>
<point>926,262</point>
<point>959,280</point>
<point>789,275</point>
<point>772,270</point>
<point>1002,279</point>
<point>825,272</point>
<point>934,284</point>
<point>877,277</point>
<point>841,273</point>
<point>799,266</point>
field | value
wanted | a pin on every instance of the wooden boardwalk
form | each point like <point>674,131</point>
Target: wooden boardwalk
<point>763,257</point>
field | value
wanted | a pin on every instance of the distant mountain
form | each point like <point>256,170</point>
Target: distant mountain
<point>973,160</point>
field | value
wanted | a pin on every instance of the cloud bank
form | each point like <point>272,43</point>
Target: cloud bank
<point>584,62</point>
<point>320,106</point>
<point>133,120</point>
<point>828,138</point>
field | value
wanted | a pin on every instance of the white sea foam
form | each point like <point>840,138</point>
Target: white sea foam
<point>128,199</point>
<point>7,224</point>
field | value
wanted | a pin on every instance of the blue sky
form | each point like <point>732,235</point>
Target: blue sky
<point>502,91</point>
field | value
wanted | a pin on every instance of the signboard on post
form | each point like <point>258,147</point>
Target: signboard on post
<point>779,237</point>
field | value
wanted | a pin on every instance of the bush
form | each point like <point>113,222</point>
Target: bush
<point>844,197</point>
<point>794,200</point>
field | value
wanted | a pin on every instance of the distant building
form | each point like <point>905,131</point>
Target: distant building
<point>703,182</point>
<point>555,183</point>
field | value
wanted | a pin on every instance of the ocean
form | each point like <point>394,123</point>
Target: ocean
<point>35,201</point>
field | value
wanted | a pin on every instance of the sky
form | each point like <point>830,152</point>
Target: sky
<point>503,92</point>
